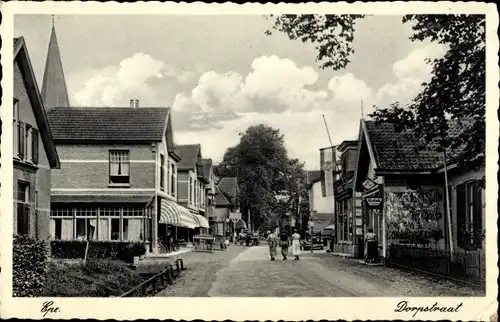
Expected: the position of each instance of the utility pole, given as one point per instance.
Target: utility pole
(447, 194)
(362, 112)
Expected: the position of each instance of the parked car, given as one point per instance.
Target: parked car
(316, 244)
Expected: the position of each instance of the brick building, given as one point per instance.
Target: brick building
(34, 152)
(192, 184)
(118, 174)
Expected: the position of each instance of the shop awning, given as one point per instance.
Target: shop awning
(202, 221)
(176, 215)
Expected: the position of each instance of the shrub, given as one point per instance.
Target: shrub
(97, 278)
(29, 269)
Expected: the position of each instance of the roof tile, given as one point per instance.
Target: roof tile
(189, 155)
(107, 123)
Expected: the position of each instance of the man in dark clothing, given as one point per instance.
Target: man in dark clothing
(284, 243)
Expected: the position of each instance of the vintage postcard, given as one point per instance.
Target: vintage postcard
(249, 162)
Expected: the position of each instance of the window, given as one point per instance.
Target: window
(162, 172)
(195, 190)
(119, 167)
(15, 114)
(125, 229)
(21, 140)
(115, 229)
(168, 176)
(58, 228)
(173, 180)
(34, 145)
(190, 190)
(28, 143)
(23, 210)
(469, 214)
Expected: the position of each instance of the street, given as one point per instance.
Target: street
(248, 272)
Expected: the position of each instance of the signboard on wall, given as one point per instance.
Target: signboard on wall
(374, 202)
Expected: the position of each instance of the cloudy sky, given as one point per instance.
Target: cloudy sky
(221, 74)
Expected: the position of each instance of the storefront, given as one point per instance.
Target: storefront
(372, 208)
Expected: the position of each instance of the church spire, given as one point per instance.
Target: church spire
(54, 91)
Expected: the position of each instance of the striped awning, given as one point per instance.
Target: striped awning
(176, 215)
(202, 221)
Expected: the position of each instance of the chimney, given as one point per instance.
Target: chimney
(132, 103)
(136, 103)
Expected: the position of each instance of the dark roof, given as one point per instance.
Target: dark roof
(22, 57)
(403, 151)
(110, 124)
(398, 150)
(101, 198)
(220, 199)
(189, 155)
(228, 186)
(207, 165)
(313, 176)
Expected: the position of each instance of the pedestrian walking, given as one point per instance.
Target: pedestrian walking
(272, 242)
(371, 246)
(296, 244)
(284, 243)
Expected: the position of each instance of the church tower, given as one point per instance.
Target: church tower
(54, 91)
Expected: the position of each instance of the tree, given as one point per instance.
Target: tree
(456, 89)
(261, 163)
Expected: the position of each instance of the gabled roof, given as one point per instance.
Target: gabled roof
(220, 199)
(190, 155)
(402, 151)
(398, 150)
(21, 56)
(207, 166)
(109, 124)
(228, 185)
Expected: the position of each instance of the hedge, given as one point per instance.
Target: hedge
(73, 249)
(29, 270)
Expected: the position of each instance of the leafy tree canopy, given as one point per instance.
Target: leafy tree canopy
(456, 89)
(260, 161)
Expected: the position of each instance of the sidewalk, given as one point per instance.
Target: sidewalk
(168, 255)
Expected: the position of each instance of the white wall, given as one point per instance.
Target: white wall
(319, 203)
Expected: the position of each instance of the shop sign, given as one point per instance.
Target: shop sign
(374, 202)
(368, 184)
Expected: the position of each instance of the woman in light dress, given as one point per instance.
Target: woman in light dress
(296, 244)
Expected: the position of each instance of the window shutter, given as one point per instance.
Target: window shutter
(461, 214)
(478, 212)
(34, 146)
(21, 138)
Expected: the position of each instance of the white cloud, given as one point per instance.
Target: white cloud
(410, 72)
(132, 78)
(297, 111)
(276, 92)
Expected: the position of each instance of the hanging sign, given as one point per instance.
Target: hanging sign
(374, 202)
(235, 216)
(369, 184)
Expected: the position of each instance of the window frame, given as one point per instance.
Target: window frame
(162, 172)
(126, 178)
(173, 182)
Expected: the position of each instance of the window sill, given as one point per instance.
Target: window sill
(25, 163)
(119, 185)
